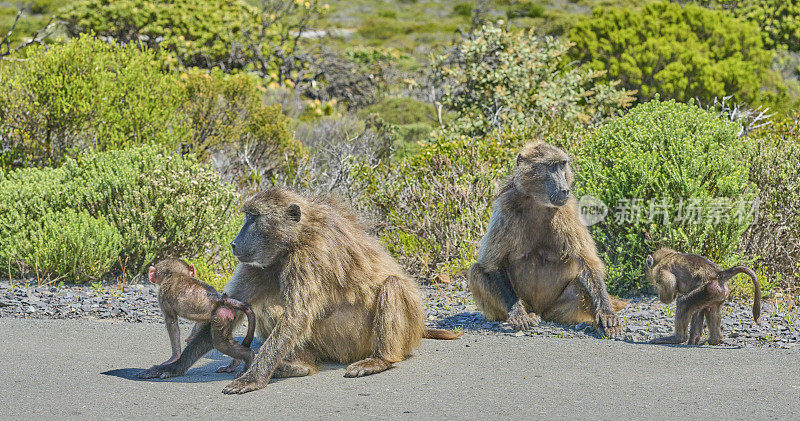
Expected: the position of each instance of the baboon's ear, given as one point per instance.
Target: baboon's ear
(293, 212)
(151, 274)
(191, 270)
(649, 261)
(519, 158)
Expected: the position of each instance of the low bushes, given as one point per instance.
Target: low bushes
(120, 209)
(84, 94)
(679, 52)
(666, 171)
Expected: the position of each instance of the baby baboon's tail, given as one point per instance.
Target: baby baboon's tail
(727, 274)
(431, 333)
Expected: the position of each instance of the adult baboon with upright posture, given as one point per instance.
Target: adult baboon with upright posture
(537, 260)
(322, 289)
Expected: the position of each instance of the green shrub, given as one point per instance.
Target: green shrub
(162, 205)
(463, 9)
(778, 19)
(195, 32)
(679, 159)
(499, 78)
(413, 120)
(680, 52)
(225, 115)
(435, 203)
(74, 246)
(89, 94)
(84, 94)
(525, 9)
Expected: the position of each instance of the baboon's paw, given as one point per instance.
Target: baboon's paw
(293, 369)
(610, 324)
(248, 382)
(523, 321)
(366, 367)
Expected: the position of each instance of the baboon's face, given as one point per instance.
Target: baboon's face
(665, 286)
(266, 235)
(544, 173)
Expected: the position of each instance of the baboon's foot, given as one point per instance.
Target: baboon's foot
(366, 367)
(230, 368)
(609, 323)
(671, 339)
(247, 382)
(161, 371)
(522, 320)
(294, 369)
(714, 341)
(694, 340)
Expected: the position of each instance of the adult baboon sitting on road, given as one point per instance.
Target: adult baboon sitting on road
(321, 289)
(537, 260)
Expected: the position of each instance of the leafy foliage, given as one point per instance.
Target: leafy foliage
(84, 94)
(498, 78)
(159, 205)
(71, 245)
(680, 160)
(194, 32)
(436, 203)
(779, 21)
(679, 52)
(226, 117)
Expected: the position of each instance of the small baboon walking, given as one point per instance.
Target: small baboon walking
(182, 295)
(322, 288)
(701, 288)
(537, 260)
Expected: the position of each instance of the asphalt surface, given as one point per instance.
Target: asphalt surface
(86, 369)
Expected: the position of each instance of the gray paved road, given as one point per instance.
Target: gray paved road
(57, 369)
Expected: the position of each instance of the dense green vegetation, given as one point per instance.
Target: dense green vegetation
(120, 209)
(645, 165)
(677, 52)
(129, 128)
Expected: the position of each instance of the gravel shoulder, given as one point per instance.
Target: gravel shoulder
(85, 369)
(447, 305)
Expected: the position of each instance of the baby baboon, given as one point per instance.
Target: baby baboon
(182, 295)
(322, 288)
(700, 286)
(537, 259)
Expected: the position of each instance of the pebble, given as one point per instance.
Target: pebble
(448, 306)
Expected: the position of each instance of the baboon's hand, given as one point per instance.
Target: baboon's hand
(523, 321)
(160, 371)
(247, 382)
(610, 323)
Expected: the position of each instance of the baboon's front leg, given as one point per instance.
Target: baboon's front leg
(592, 280)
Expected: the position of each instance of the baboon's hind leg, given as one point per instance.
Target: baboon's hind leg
(398, 327)
(571, 307)
(492, 292)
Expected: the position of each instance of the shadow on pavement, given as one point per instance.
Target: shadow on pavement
(205, 372)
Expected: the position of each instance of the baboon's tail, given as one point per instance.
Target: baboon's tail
(251, 318)
(431, 333)
(727, 274)
(618, 304)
